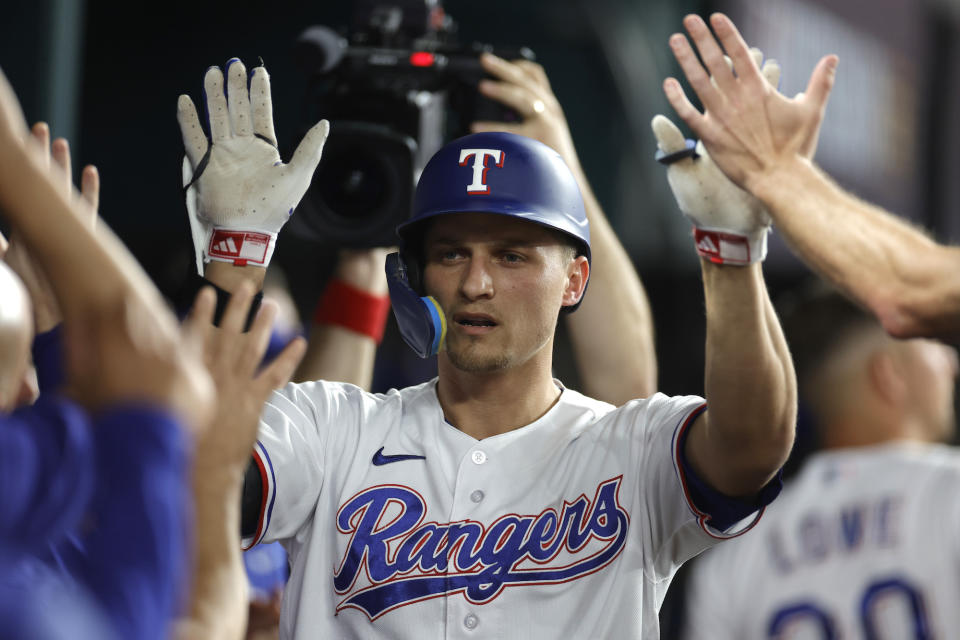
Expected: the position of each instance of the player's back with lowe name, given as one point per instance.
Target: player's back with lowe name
(862, 544)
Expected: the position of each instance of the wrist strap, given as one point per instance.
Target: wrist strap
(724, 247)
(346, 306)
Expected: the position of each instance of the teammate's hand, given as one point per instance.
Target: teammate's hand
(127, 353)
(46, 310)
(233, 359)
(523, 86)
(730, 225)
(749, 128)
(241, 192)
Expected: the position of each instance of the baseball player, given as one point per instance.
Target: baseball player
(863, 542)
(491, 501)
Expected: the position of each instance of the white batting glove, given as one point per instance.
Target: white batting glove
(238, 191)
(730, 226)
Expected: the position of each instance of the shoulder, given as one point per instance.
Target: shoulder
(321, 399)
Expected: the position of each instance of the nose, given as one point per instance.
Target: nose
(477, 281)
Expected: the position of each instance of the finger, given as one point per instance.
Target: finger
(194, 139)
(11, 115)
(503, 70)
(90, 187)
(217, 115)
(199, 322)
(729, 62)
(678, 100)
(307, 156)
(258, 338)
(517, 97)
(279, 371)
(60, 149)
(695, 73)
(756, 55)
(736, 48)
(238, 100)
(669, 137)
(41, 133)
(262, 104)
(535, 71)
(710, 52)
(771, 73)
(821, 81)
(482, 126)
(235, 315)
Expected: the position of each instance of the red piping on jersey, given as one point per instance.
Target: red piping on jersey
(263, 499)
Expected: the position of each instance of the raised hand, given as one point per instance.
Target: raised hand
(46, 310)
(523, 86)
(240, 193)
(234, 360)
(730, 225)
(749, 128)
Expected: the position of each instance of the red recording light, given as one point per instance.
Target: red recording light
(421, 59)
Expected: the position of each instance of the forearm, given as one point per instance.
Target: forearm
(349, 321)
(749, 382)
(911, 283)
(228, 277)
(612, 331)
(338, 354)
(219, 599)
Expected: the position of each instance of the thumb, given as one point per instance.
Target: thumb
(669, 138)
(821, 81)
(307, 156)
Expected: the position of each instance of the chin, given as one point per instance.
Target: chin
(472, 362)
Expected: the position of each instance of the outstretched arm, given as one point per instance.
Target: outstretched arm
(618, 362)
(764, 142)
(746, 434)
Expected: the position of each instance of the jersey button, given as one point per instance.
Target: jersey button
(471, 621)
(478, 457)
(476, 496)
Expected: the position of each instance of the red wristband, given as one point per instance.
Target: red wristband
(346, 306)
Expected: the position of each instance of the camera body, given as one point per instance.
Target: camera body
(394, 91)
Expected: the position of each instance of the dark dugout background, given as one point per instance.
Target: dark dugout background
(106, 74)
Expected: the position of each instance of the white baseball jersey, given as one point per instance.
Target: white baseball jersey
(399, 525)
(862, 544)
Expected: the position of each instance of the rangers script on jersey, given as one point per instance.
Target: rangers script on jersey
(398, 525)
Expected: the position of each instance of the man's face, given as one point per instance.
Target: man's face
(501, 282)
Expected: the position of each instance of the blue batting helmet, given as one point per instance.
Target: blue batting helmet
(505, 174)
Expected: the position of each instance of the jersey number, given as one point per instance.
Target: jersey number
(879, 598)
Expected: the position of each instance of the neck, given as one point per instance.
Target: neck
(488, 404)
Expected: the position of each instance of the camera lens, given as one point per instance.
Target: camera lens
(355, 184)
(362, 189)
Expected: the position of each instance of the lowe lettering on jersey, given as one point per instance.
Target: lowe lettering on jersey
(395, 558)
(480, 168)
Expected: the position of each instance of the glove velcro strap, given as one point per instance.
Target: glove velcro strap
(241, 247)
(724, 247)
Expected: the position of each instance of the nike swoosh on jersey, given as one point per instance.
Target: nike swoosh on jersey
(379, 459)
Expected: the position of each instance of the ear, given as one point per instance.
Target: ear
(886, 378)
(578, 272)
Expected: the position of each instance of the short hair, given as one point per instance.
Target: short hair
(817, 321)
